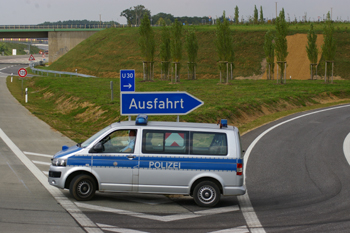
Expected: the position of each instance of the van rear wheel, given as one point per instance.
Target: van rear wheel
(206, 194)
(82, 187)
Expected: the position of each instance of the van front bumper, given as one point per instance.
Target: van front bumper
(56, 176)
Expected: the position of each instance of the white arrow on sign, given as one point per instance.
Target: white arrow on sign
(129, 86)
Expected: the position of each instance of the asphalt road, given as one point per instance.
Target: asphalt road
(296, 178)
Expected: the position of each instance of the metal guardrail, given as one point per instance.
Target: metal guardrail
(37, 71)
(62, 26)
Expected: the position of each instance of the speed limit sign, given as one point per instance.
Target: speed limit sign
(22, 72)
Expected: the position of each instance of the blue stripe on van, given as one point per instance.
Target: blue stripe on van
(156, 162)
(79, 160)
(183, 163)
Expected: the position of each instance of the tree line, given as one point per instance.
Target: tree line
(135, 14)
(275, 45)
(171, 44)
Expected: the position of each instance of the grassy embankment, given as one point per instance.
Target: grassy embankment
(108, 51)
(78, 107)
(19, 48)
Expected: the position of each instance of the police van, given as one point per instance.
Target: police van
(197, 159)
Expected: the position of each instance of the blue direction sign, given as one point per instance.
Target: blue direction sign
(158, 103)
(127, 80)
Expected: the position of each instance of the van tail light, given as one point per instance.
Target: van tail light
(239, 169)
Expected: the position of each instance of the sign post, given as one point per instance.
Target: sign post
(158, 103)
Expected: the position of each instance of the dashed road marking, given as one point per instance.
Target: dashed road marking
(346, 148)
(41, 163)
(241, 229)
(37, 154)
(118, 229)
(168, 218)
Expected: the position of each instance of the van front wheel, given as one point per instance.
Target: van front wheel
(206, 194)
(82, 187)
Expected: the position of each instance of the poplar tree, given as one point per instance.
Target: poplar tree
(281, 48)
(328, 47)
(311, 47)
(256, 15)
(164, 53)
(147, 46)
(269, 49)
(192, 51)
(224, 44)
(176, 47)
(261, 15)
(236, 15)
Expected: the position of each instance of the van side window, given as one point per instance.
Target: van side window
(205, 143)
(164, 142)
(120, 141)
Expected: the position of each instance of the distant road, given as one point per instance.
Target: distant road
(21, 59)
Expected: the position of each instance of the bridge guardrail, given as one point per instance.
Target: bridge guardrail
(33, 64)
(62, 26)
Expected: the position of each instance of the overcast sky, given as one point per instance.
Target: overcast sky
(25, 12)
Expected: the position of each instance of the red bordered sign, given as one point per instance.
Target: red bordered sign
(22, 72)
(31, 58)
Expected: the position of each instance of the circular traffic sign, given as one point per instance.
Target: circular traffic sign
(22, 72)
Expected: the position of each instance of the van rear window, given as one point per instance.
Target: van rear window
(204, 143)
(165, 142)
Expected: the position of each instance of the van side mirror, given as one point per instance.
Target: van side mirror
(98, 148)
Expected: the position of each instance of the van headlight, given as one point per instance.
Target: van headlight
(59, 162)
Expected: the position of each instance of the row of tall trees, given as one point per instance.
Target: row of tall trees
(170, 49)
(276, 45)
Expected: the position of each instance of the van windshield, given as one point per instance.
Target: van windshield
(94, 137)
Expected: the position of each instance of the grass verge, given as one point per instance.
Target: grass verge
(79, 107)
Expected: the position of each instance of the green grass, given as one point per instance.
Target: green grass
(106, 52)
(20, 48)
(78, 107)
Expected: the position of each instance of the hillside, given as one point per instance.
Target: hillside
(105, 53)
(108, 51)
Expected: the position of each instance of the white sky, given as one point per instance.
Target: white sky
(25, 12)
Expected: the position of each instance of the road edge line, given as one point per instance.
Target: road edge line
(69, 206)
(249, 214)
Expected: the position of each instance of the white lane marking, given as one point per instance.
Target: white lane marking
(69, 206)
(167, 218)
(241, 229)
(117, 229)
(247, 209)
(46, 173)
(41, 163)
(346, 148)
(37, 154)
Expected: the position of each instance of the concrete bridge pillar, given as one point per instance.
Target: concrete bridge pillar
(60, 42)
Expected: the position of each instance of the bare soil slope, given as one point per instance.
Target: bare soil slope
(298, 64)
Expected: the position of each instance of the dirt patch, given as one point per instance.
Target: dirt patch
(91, 114)
(298, 64)
(66, 105)
(48, 95)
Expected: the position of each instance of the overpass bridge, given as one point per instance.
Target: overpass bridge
(61, 38)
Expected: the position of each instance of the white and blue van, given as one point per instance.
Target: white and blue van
(197, 159)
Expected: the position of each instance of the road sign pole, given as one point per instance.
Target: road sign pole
(111, 90)
(26, 97)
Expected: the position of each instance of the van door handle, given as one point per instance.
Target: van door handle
(131, 157)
